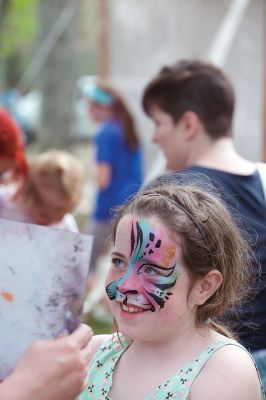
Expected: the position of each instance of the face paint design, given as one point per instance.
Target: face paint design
(151, 272)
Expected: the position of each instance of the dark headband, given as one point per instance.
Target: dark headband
(191, 217)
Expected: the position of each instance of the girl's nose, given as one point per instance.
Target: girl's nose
(129, 285)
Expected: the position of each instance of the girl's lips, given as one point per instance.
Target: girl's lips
(128, 305)
(132, 308)
(130, 311)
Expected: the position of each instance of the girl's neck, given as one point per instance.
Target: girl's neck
(189, 341)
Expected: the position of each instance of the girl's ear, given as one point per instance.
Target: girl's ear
(205, 287)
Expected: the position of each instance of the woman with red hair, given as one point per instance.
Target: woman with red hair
(13, 163)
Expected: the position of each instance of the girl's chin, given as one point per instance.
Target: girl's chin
(131, 331)
(137, 332)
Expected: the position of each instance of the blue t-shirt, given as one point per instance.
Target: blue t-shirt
(245, 198)
(126, 167)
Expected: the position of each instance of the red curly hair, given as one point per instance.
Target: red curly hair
(11, 144)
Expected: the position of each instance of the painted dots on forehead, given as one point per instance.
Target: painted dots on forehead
(148, 239)
(158, 243)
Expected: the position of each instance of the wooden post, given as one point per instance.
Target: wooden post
(103, 38)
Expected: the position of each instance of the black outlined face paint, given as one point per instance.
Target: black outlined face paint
(152, 270)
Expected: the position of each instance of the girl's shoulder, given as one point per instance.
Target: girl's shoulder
(112, 341)
(229, 373)
(97, 342)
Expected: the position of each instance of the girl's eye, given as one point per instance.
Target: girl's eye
(150, 271)
(118, 263)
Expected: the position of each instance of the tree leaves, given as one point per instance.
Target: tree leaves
(18, 24)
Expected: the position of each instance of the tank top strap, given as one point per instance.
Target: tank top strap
(179, 385)
(101, 367)
(194, 368)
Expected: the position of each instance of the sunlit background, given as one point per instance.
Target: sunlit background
(49, 48)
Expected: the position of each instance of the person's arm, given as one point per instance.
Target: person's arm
(107, 144)
(229, 374)
(102, 174)
(51, 369)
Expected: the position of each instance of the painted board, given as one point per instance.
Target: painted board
(43, 273)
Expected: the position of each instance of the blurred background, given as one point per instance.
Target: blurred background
(50, 50)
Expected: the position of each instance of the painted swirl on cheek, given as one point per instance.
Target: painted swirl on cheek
(159, 291)
(111, 289)
(149, 281)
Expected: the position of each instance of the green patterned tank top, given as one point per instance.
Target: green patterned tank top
(100, 371)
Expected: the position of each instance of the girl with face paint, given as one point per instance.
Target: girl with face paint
(178, 263)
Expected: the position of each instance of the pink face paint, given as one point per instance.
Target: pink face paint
(151, 272)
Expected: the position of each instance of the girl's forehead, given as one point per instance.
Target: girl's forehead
(147, 223)
(151, 230)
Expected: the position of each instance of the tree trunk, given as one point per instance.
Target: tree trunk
(57, 75)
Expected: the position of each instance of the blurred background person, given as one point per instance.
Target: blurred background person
(53, 189)
(118, 161)
(192, 104)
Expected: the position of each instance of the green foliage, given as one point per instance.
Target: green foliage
(19, 25)
(98, 327)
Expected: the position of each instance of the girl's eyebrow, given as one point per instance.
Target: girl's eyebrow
(117, 254)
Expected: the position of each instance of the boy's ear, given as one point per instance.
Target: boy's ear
(205, 287)
(191, 124)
